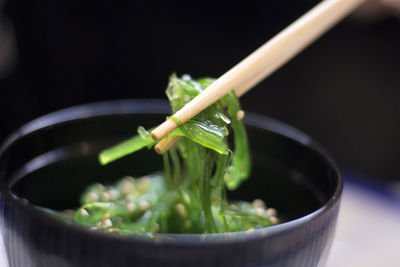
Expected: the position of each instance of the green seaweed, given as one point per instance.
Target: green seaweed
(190, 196)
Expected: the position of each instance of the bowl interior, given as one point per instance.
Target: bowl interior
(51, 166)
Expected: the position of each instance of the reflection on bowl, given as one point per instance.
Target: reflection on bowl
(49, 161)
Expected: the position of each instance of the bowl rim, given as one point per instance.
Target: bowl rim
(157, 106)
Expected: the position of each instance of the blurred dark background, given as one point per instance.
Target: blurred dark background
(343, 90)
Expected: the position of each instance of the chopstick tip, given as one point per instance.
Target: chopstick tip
(163, 130)
(159, 150)
(166, 144)
(154, 135)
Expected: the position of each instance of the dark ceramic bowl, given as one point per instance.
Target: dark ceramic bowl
(49, 161)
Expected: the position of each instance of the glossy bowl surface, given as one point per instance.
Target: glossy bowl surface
(49, 161)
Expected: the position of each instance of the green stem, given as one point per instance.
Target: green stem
(167, 171)
(176, 167)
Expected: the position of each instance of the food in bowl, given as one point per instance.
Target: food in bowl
(190, 196)
(49, 161)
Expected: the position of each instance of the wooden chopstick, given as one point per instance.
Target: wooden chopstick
(167, 142)
(265, 60)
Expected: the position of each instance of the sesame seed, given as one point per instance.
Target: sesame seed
(258, 203)
(144, 205)
(93, 197)
(271, 212)
(105, 223)
(260, 211)
(181, 210)
(130, 197)
(114, 194)
(106, 216)
(250, 230)
(131, 206)
(226, 131)
(143, 183)
(84, 212)
(105, 196)
(273, 220)
(127, 185)
(99, 186)
(128, 179)
(240, 115)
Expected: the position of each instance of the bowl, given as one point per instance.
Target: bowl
(49, 161)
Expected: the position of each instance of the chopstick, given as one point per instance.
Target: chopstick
(265, 60)
(166, 143)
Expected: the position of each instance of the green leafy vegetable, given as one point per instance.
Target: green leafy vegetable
(190, 197)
